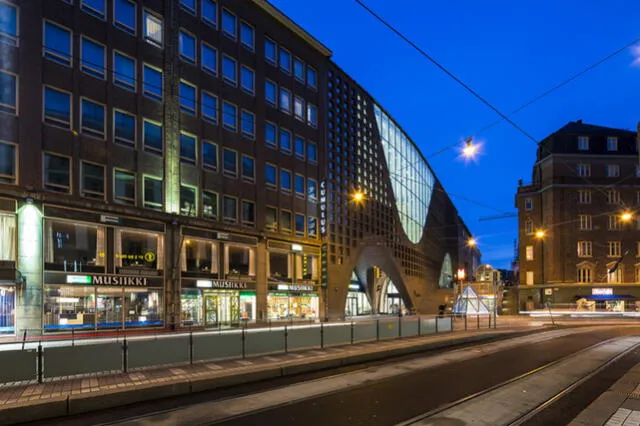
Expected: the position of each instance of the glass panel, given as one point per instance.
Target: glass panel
(125, 15)
(200, 256)
(125, 187)
(124, 71)
(153, 196)
(57, 41)
(8, 237)
(124, 128)
(92, 58)
(56, 173)
(142, 308)
(8, 92)
(92, 180)
(188, 197)
(7, 163)
(138, 250)
(67, 307)
(109, 307)
(210, 205)
(73, 247)
(239, 260)
(191, 307)
(7, 309)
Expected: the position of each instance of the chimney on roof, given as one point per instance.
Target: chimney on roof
(579, 121)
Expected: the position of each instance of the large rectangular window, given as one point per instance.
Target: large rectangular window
(124, 71)
(299, 147)
(230, 163)
(209, 11)
(248, 124)
(153, 28)
(247, 80)
(8, 24)
(141, 250)
(285, 181)
(271, 219)
(92, 117)
(188, 144)
(57, 173)
(229, 24)
(152, 137)
(271, 176)
(124, 188)
(187, 44)
(57, 43)
(209, 58)
(270, 51)
(124, 128)
(230, 209)
(57, 107)
(209, 107)
(271, 93)
(93, 7)
(285, 141)
(124, 15)
(188, 197)
(299, 185)
(229, 70)
(92, 181)
(188, 97)
(74, 247)
(229, 116)
(210, 204)
(270, 135)
(92, 58)
(200, 257)
(247, 35)
(152, 82)
(300, 225)
(210, 156)
(248, 169)
(248, 213)
(285, 60)
(312, 115)
(285, 100)
(153, 193)
(8, 93)
(8, 160)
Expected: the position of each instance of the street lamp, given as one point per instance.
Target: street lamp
(358, 196)
(469, 150)
(471, 242)
(626, 216)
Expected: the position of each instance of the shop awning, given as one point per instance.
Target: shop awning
(608, 297)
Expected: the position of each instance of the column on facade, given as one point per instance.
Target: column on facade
(261, 281)
(30, 261)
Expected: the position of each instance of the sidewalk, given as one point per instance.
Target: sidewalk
(74, 395)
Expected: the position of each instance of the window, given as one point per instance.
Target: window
(583, 170)
(312, 77)
(299, 147)
(92, 60)
(92, 118)
(152, 82)
(152, 28)
(616, 276)
(229, 116)
(247, 80)
(188, 98)
(153, 193)
(124, 128)
(57, 173)
(8, 24)
(68, 244)
(613, 196)
(271, 219)
(189, 6)
(285, 60)
(209, 58)
(529, 277)
(92, 181)
(188, 197)
(312, 152)
(57, 44)
(57, 107)
(8, 92)
(312, 189)
(584, 274)
(299, 185)
(270, 49)
(124, 188)
(229, 24)
(285, 100)
(7, 163)
(298, 69)
(229, 70)
(209, 11)
(248, 124)
(270, 132)
(612, 143)
(210, 204)
(300, 225)
(188, 148)
(152, 137)
(614, 249)
(270, 93)
(583, 143)
(124, 71)
(248, 213)
(312, 115)
(248, 169)
(529, 252)
(209, 107)
(285, 181)
(613, 170)
(285, 221)
(584, 196)
(230, 209)
(270, 175)
(298, 108)
(124, 15)
(312, 227)
(230, 163)
(585, 222)
(285, 141)
(210, 156)
(135, 245)
(528, 227)
(187, 43)
(528, 204)
(93, 7)
(247, 35)
(614, 223)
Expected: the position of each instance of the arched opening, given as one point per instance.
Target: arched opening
(358, 300)
(390, 301)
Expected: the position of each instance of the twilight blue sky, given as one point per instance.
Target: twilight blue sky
(508, 51)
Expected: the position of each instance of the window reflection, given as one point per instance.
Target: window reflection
(200, 256)
(138, 250)
(74, 247)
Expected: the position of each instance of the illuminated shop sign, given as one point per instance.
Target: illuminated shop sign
(294, 287)
(461, 274)
(223, 284)
(601, 291)
(296, 247)
(146, 257)
(109, 219)
(323, 207)
(119, 280)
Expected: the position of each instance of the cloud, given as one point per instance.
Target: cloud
(635, 51)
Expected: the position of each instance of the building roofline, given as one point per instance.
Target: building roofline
(290, 24)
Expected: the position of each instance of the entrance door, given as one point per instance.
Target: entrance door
(211, 309)
(109, 307)
(352, 306)
(221, 308)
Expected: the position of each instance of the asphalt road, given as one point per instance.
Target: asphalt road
(396, 399)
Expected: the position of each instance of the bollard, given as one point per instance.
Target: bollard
(321, 335)
(244, 338)
(465, 322)
(286, 339)
(377, 329)
(40, 362)
(352, 329)
(478, 320)
(436, 324)
(419, 325)
(190, 346)
(125, 350)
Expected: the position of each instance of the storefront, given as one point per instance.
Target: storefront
(607, 300)
(7, 308)
(8, 273)
(292, 301)
(217, 302)
(357, 299)
(391, 300)
(101, 301)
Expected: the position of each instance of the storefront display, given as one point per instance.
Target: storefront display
(292, 301)
(7, 309)
(216, 303)
(138, 251)
(391, 301)
(74, 247)
(200, 256)
(240, 260)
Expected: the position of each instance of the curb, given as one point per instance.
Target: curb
(81, 403)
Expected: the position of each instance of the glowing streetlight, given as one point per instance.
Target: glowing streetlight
(469, 150)
(626, 216)
(358, 196)
(540, 234)
(471, 242)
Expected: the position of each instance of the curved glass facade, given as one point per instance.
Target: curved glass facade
(411, 179)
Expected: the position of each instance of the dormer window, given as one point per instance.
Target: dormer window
(583, 143)
(612, 143)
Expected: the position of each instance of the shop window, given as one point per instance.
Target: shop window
(74, 247)
(300, 225)
(271, 218)
(153, 193)
(57, 43)
(209, 58)
(124, 190)
(152, 28)
(279, 265)
(230, 209)
(57, 173)
(68, 307)
(136, 250)
(286, 306)
(92, 117)
(285, 221)
(188, 98)
(248, 213)
(124, 71)
(7, 163)
(92, 182)
(188, 197)
(92, 58)
(209, 11)
(188, 148)
(239, 260)
(199, 256)
(9, 24)
(124, 15)
(8, 237)
(209, 106)
(248, 169)
(210, 204)
(142, 308)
